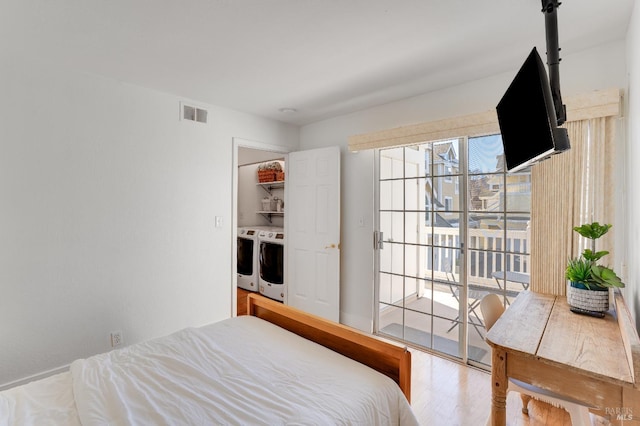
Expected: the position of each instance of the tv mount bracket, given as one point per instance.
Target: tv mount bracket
(549, 8)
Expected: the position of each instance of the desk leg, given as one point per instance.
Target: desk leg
(499, 383)
(631, 406)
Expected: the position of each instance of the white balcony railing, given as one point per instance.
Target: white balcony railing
(488, 252)
(437, 256)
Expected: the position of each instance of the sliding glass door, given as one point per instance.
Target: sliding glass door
(452, 227)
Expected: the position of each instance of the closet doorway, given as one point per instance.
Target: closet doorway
(310, 220)
(252, 201)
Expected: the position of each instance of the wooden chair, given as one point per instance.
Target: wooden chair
(492, 307)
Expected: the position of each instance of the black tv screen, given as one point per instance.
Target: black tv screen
(527, 117)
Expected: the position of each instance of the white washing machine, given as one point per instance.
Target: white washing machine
(248, 258)
(271, 264)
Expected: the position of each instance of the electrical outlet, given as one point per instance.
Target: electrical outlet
(116, 339)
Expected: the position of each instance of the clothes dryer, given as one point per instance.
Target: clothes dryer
(248, 258)
(271, 279)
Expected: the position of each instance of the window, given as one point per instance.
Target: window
(448, 203)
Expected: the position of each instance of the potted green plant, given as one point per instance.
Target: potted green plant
(589, 281)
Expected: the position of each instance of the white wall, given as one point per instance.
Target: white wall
(600, 68)
(107, 217)
(632, 155)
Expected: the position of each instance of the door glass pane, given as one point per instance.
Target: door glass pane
(519, 191)
(414, 157)
(410, 326)
(423, 302)
(445, 232)
(415, 193)
(415, 228)
(392, 226)
(445, 158)
(415, 260)
(391, 195)
(392, 164)
(417, 328)
(446, 193)
(391, 258)
(486, 193)
(485, 155)
(389, 316)
(391, 289)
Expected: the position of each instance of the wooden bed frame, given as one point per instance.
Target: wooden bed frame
(391, 360)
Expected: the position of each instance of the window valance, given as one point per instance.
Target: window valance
(600, 103)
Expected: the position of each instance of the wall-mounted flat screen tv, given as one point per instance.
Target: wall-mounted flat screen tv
(527, 117)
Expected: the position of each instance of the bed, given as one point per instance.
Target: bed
(277, 365)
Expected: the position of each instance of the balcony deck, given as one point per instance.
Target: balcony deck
(438, 311)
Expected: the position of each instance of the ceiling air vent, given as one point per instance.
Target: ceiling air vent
(192, 113)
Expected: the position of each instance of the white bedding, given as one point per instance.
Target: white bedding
(240, 371)
(46, 402)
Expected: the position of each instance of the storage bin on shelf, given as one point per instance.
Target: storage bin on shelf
(268, 172)
(266, 176)
(266, 204)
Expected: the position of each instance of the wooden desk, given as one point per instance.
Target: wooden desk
(538, 340)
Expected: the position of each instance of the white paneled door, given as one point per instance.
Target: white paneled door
(313, 234)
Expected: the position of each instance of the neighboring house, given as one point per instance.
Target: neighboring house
(489, 196)
(446, 189)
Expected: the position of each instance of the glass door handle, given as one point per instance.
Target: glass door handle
(378, 243)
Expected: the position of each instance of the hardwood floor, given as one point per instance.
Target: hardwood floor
(448, 393)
